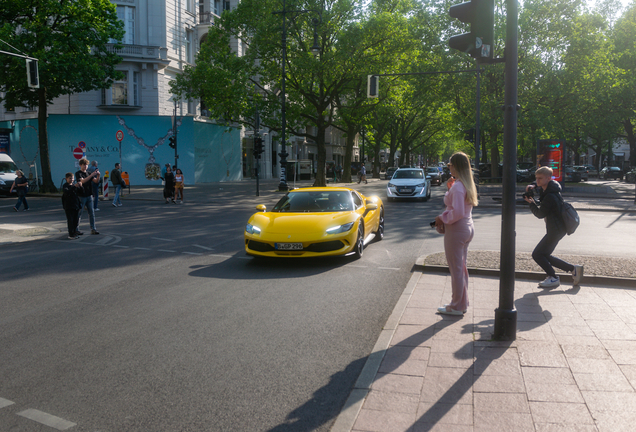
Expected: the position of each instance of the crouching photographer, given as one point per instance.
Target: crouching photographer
(548, 207)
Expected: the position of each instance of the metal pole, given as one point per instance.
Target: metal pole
(283, 153)
(477, 116)
(174, 131)
(506, 314)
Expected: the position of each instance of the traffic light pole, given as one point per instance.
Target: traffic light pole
(477, 115)
(506, 314)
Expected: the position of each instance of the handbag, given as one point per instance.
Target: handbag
(570, 217)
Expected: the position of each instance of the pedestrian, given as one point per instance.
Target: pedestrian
(363, 175)
(71, 203)
(336, 173)
(20, 184)
(92, 168)
(86, 194)
(168, 188)
(549, 208)
(164, 170)
(179, 181)
(456, 223)
(118, 182)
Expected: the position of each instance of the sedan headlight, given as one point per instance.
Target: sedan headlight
(421, 185)
(251, 229)
(391, 185)
(340, 228)
(2, 182)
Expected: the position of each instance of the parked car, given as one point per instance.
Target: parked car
(611, 173)
(7, 173)
(591, 170)
(445, 173)
(410, 183)
(434, 174)
(570, 175)
(585, 174)
(630, 176)
(389, 173)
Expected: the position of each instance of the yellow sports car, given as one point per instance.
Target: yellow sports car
(317, 221)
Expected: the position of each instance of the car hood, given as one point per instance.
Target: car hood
(406, 182)
(300, 223)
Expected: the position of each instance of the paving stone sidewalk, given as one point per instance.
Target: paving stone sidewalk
(571, 368)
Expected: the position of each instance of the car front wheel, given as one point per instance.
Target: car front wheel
(358, 250)
(379, 234)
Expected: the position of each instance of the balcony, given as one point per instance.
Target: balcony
(141, 53)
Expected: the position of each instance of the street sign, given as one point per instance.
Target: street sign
(119, 135)
(78, 153)
(82, 145)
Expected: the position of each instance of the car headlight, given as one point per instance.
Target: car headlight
(251, 229)
(2, 182)
(340, 228)
(421, 185)
(391, 185)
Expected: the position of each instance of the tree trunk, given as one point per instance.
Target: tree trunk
(351, 139)
(43, 143)
(321, 178)
(631, 139)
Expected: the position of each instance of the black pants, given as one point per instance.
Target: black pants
(72, 220)
(542, 254)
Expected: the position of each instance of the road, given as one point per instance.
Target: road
(162, 323)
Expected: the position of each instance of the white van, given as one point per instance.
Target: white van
(7, 173)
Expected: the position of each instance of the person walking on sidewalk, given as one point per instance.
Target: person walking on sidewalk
(179, 181)
(86, 193)
(456, 223)
(115, 177)
(168, 188)
(20, 184)
(363, 175)
(549, 208)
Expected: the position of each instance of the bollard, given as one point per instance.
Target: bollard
(105, 191)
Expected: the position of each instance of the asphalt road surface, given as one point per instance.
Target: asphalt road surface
(161, 323)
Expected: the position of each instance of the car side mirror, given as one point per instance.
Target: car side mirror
(428, 177)
(372, 206)
(261, 207)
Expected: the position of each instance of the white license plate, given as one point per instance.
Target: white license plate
(288, 246)
(405, 191)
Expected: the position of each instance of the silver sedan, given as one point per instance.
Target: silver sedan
(409, 183)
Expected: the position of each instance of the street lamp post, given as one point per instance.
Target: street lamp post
(282, 186)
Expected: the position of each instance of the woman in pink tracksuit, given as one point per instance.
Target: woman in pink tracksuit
(456, 223)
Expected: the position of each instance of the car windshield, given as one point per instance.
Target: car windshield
(432, 170)
(308, 202)
(408, 174)
(8, 167)
(614, 169)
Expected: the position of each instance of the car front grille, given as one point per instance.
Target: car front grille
(325, 246)
(259, 246)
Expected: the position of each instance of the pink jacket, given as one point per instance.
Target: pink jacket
(456, 206)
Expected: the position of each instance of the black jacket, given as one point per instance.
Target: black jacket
(549, 207)
(70, 199)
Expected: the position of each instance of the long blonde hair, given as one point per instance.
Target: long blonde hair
(461, 162)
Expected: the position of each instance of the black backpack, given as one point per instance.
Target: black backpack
(569, 216)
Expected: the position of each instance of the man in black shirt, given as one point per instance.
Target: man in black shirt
(86, 193)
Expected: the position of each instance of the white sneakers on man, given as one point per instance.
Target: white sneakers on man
(550, 282)
(577, 274)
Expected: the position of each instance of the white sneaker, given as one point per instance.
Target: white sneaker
(114, 205)
(577, 274)
(96, 209)
(550, 282)
(119, 204)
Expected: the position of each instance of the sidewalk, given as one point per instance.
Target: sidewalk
(571, 368)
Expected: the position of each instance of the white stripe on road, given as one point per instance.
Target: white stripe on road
(46, 419)
(5, 402)
(192, 253)
(221, 256)
(104, 240)
(165, 250)
(388, 268)
(162, 239)
(203, 247)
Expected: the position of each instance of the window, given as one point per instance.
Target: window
(226, 5)
(190, 6)
(123, 91)
(217, 7)
(127, 15)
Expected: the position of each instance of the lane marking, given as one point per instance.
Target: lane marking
(388, 268)
(192, 253)
(5, 402)
(166, 250)
(104, 240)
(162, 239)
(203, 247)
(140, 248)
(221, 256)
(46, 419)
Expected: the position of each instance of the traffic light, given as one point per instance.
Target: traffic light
(470, 135)
(372, 86)
(33, 76)
(480, 14)
(173, 142)
(258, 147)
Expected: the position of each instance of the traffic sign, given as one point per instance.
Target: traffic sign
(82, 144)
(119, 135)
(78, 153)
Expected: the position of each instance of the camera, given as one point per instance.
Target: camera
(529, 193)
(433, 224)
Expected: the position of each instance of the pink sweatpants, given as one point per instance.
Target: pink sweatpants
(457, 236)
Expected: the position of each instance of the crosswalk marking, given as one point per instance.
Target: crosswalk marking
(5, 402)
(46, 419)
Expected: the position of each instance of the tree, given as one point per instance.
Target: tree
(70, 39)
(234, 87)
